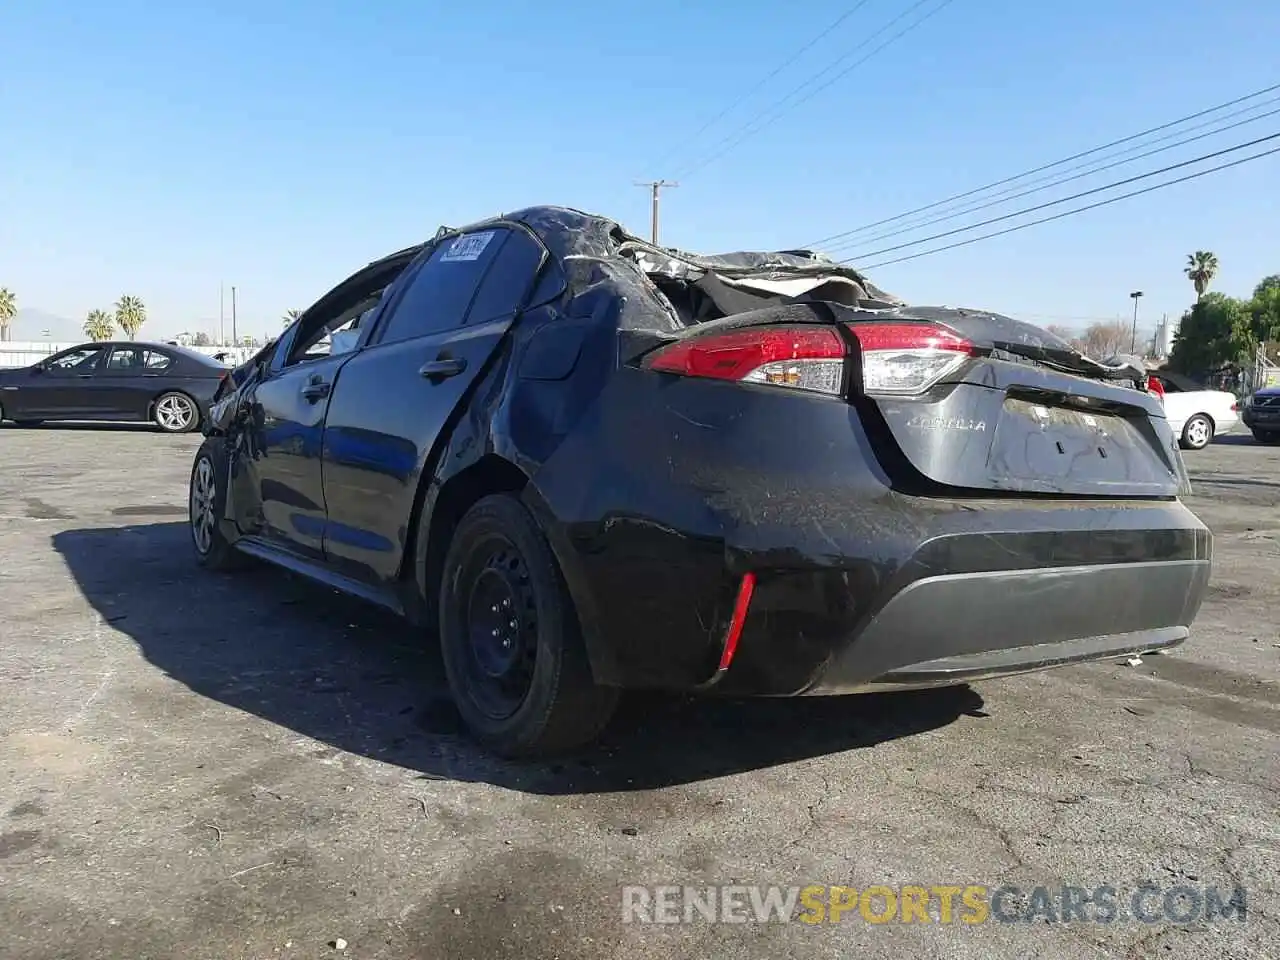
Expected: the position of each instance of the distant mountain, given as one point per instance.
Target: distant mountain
(31, 324)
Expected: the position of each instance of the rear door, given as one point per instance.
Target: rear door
(128, 380)
(395, 397)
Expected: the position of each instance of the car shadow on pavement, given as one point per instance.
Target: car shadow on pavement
(347, 674)
(1237, 440)
(113, 426)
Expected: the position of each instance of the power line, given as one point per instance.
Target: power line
(783, 105)
(1004, 197)
(1074, 196)
(1068, 213)
(1050, 166)
(777, 70)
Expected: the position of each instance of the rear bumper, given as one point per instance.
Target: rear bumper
(1009, 595)
(659, 502)
(955, 628)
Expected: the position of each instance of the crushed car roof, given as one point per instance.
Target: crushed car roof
(574, 234)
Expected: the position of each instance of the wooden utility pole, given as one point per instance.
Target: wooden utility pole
(655, 187)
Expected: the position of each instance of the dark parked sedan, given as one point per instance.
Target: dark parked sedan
(587, 463)
(1262, 415)
(170, 386)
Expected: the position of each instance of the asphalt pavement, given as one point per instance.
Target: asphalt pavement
(250, 766)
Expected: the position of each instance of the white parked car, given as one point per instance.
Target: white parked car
(1196, 415)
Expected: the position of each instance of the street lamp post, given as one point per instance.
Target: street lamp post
(1133, 339)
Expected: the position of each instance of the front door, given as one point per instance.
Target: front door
(62, 387)
(396, 394)
(287, 416)
(278, 490)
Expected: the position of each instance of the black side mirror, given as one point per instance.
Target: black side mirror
(38, 367)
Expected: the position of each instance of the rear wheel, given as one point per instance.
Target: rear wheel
(1197, 432)
(206, 504)
(1266, 436)
(512, 650)
(175, 413)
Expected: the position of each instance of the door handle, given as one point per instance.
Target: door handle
(85, 376)
(442, 367)
(315, 391)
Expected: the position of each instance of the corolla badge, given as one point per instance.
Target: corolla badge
(920, 422)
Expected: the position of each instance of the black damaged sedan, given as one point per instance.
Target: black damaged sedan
(586, 464)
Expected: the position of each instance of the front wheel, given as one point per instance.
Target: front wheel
(206, 503)
(512, 649)
(176, 413)
(1197, 432)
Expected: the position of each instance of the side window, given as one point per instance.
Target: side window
(436, 298)
(551, 284)
(505, 286)
(125, 360)
(1169, 385)
(82, 360)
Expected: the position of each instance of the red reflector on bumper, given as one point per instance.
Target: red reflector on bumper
(740, 605)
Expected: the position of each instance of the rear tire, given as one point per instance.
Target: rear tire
(512, 649)
(1197, 432)
(175, 412)
(1266, 436)
(206, 504)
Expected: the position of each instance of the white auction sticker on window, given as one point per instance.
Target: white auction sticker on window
(469, 247)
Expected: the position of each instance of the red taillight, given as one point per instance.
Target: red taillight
(804, 358)
(897, 358)
(1155, 386)
(907, 358)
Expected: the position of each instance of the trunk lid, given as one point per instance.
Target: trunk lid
(1027, 415)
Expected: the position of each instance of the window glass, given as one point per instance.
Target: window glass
(551, 284)
(137, 360)
(344, 330)
(503, 289)
(436, 298)
(79, 361)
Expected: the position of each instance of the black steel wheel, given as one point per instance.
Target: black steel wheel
(513, 653)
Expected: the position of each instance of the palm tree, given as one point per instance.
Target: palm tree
(8, 310)
(290, 316)
(1202, 267)
(131, 314)
(99, 325)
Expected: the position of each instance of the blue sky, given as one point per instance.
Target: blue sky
(278, 145)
